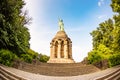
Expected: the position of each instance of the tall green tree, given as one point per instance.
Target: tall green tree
(116, 33)
(107, 35)
(116, 6)
(103, 34)
(14, 35)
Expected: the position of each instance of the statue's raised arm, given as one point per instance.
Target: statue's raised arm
(61, 25)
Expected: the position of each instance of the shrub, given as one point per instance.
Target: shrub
(94, 56)
(32, 53)
(114, 60)
(27, 58)
(43, 58)
(7, 57)
(99, 54)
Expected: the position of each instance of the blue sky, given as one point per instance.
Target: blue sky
(80, 17)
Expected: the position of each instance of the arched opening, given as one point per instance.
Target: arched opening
(56, 48)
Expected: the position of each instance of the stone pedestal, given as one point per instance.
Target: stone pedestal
(61, 49)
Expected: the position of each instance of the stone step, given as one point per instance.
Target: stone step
(69, 65)
(8, 76)
(117, 78)
(2, 77)
(110, 76)
(54, 69)
(60, 64)
(93, 76)
(114, 76)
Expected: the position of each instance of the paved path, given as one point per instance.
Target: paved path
(32, 76)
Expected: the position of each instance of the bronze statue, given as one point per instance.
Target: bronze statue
(61, 25)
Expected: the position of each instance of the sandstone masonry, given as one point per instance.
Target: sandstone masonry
(61, 49)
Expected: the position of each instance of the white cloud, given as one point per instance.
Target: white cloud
(80, 52)
(101, 16)
(100, 2)
(41, 36)
(40, 32)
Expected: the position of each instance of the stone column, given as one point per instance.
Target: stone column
(65, 50)
(59, 50)
(51, 51)
(70, 50)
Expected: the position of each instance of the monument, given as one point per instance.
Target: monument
(61, 47)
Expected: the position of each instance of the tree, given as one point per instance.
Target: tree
(99, 54)
(14, 35)
(108, 35)
(116, 33)
(116, 6)
(103, 34)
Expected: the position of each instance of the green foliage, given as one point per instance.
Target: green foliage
(116, 34)
(99, 54)
(108, 34)
(14, 35)
(94, 57)
(103, 34)
(43, 58)
(32, 53)
(114, 60)
(116, 5)
(7, 57)
(27, 58)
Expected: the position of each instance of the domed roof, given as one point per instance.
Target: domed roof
(61, 34)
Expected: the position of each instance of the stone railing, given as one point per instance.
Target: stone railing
(7, 75)
(111, 76)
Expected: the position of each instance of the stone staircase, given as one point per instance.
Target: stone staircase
(111, 76)
(7, 75)
(59, 69)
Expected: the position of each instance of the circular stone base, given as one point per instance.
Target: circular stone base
(61, 60)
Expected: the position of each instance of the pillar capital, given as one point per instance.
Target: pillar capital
(65, 42)
(59, 42)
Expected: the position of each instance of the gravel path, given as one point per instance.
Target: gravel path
(32, 76)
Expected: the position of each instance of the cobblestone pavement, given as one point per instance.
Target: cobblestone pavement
(32, 76)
